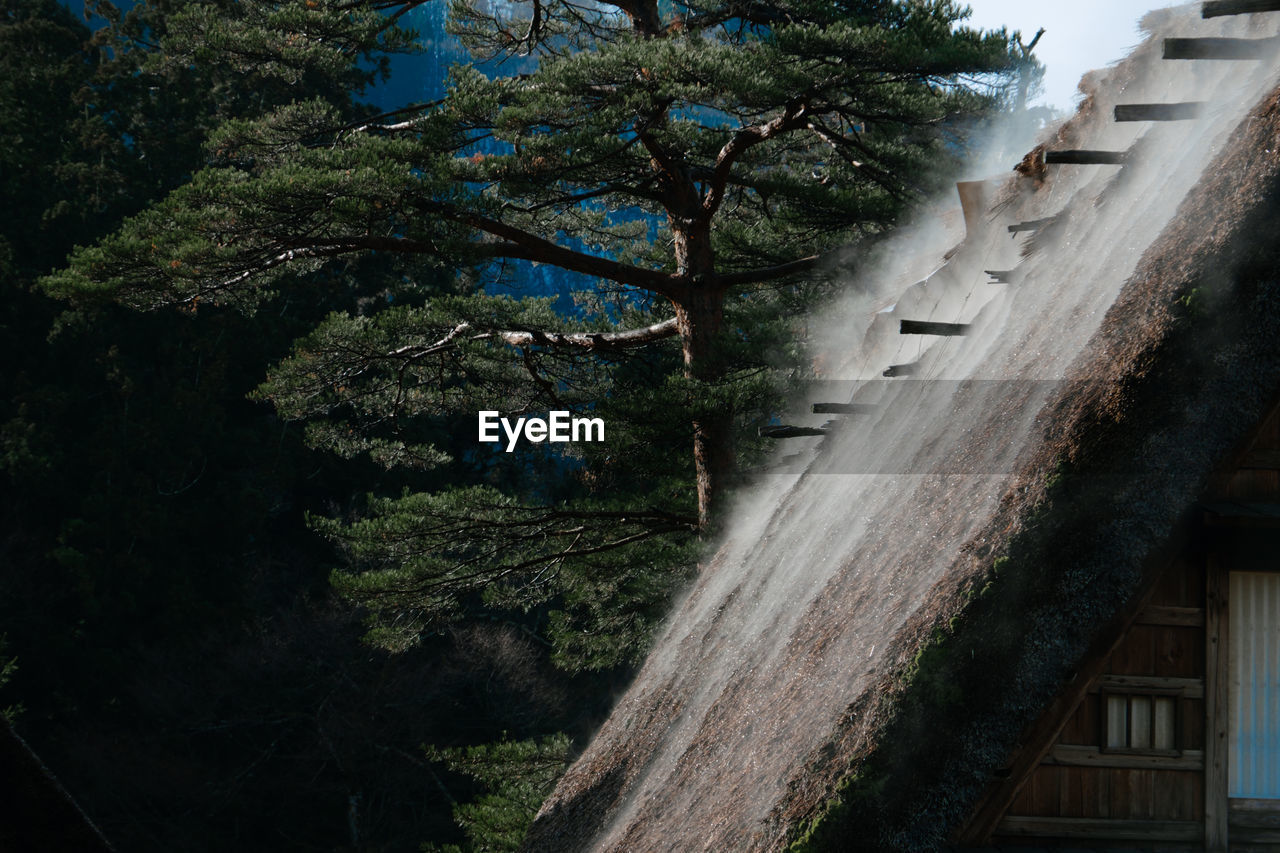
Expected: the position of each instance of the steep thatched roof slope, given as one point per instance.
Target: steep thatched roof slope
(1184, 368)
(984, 633)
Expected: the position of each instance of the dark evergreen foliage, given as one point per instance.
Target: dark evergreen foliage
(704, 159)
(179, 662)
(690, 167)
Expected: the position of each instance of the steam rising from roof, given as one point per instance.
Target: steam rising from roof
(805, 606)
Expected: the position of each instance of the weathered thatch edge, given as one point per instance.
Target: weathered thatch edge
(36, 812)
(1181, 371)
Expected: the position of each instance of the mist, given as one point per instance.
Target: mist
(826, 560)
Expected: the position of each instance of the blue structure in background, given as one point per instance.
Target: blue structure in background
(420, 78)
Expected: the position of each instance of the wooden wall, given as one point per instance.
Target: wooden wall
(1080, 780)
(1082, 794)
(1257, 478)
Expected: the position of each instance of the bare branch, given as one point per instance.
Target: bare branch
(448, 342)
(534, 34)
(594, 340)
(578, 340)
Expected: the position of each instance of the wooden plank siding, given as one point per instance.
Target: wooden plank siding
(1160, 650)
(1115, 795)
(1074, 791)
(1235, 543)
(1257, 478)
(1163, 614)
(1110, 830)
(1111, 793)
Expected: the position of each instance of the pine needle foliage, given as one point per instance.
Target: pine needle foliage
(691, 167)
(517, 776)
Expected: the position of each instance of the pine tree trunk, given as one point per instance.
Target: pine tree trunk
(700, 316)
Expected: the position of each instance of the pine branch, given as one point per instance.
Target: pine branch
(645, 18)
(522, 245)
(662, 158)
(793, 118)
(773, 273)
(494, 573)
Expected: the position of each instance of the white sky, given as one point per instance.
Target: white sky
(1079, 35)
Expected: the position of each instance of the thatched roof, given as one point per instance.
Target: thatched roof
(1174, 378)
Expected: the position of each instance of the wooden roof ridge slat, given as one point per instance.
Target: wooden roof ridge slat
(1231, 49)
(1085, 157)
(1219, 8)
(789, 431)
(843, 408)
(1032, 224)
(1182, 111)
(930, 327)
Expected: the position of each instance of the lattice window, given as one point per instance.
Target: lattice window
(1140, 722)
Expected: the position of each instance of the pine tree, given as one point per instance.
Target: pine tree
(517, 776)
(154, 549)
(691, 166)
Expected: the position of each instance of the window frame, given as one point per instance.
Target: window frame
(1174, 694)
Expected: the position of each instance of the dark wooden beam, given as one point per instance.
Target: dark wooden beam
(1217, 690)
(787, 431)
(1244, 836)
(1218, 48)
(1187, 688)
(1070, 755)
(902, 369)
(843, 408)
(1159, 112)
(1099, 828)
(1218, 8)
(926, 327)
(1171, 616)
(1082, 157)
(1264, 460)
(1242, 514)
(1253, 813)
(1038, 739)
